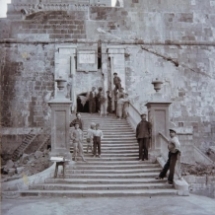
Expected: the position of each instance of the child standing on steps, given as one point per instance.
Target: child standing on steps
(90, 137)
(97, 137)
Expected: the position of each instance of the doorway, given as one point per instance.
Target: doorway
(82, 103)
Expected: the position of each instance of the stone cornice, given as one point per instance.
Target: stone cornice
(28, 9)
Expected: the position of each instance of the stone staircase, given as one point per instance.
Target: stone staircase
(29, 138)
(37, 144)
(117, 173)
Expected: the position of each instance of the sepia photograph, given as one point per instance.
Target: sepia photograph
(107, 107)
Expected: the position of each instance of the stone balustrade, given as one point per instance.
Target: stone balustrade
(133, 116)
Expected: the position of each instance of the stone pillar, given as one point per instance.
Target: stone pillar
(60, 119)
(158, 114)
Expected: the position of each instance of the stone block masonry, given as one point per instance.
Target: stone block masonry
(51, 25)
(184, 61)
(27, 85)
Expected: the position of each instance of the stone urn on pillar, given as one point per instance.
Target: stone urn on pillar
(60, 115)
(158, 114)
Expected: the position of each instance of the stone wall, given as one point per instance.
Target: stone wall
(201, 185)
(27, 83)
(172, 40)
(188, 74)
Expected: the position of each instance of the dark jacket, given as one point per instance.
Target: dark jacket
(116, 80)
(143, 130)
(91, 95)
(80, 122)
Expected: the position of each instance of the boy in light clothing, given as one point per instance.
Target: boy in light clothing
(90, 137)
(77, 139)
(97, 137)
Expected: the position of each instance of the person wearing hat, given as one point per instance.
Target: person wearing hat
(77, 138)
(143, 133)
(90, 137)
(173, 156)
(116, 82)
(97, 137)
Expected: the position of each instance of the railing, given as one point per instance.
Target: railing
(133, 116)
(164, 153)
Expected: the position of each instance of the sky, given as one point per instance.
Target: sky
(3, 6)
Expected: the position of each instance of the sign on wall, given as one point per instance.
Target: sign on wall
(87, 60)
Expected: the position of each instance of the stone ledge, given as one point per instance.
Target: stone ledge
(21, 184)
(180, 184)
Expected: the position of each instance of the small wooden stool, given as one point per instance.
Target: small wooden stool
(60, 163)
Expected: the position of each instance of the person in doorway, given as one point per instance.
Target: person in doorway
(101, 102)
(90, 137)
(77, 139)
(173, 157)
(78, 120)
(97, 137)
(116, 82)
(143, 133)
(92, 100)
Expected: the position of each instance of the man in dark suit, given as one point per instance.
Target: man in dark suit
(92, 101)
(116, 82)
(143, 133)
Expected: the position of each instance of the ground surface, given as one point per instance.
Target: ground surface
(165, 205)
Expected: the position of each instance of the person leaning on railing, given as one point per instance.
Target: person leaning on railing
(173, 156)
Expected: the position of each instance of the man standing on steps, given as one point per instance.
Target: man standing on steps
(143, 133)
(173, 156)
(97, 137)
(78, 120)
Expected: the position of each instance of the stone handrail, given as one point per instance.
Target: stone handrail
(133, 116)
(200, 157)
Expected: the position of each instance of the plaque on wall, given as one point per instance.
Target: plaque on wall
(87, 60)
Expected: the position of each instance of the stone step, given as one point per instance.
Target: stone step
(121, 139)
(115, 148)
(117, 155)
(111, 162)
(115, 145)
(113, 175)
(112, 128)
(100, 186)
(98, 193)
(119, 151)
(117, 136)
(112, 171)
(102, 181)
(110, 167)
(109, 126)
(90, 158)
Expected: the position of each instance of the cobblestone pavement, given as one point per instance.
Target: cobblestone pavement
(165, 205)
